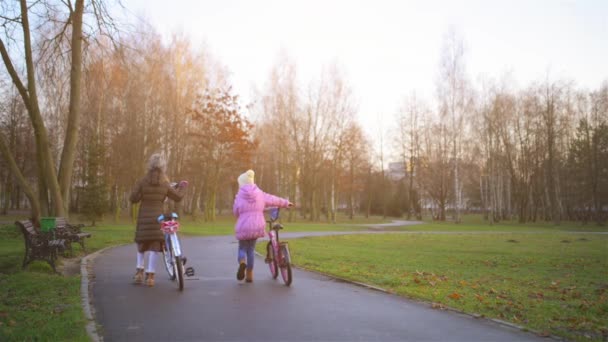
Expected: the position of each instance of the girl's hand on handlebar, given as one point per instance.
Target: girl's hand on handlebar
(290, 205)
(183, 184)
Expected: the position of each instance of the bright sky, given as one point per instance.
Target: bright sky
(389, 48)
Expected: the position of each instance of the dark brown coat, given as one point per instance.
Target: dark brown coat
(152, 191)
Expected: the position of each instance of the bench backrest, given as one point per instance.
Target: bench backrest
(60, 222)
(27, 228)
(30, 233)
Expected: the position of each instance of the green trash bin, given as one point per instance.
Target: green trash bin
(47, 224)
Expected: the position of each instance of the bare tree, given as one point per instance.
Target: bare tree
(408, 141)
(58, 187)
(452, 92)
(277, 131)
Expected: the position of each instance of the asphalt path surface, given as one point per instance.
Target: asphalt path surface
(214, 306)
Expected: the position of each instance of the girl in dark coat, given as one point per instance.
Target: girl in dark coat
(151, 191)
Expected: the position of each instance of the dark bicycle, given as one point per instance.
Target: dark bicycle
(277, 252)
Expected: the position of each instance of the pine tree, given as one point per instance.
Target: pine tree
(95, 192)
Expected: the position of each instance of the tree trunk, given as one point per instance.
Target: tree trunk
(71, 135)
(210, 205)
(195, 205)
(35, 207)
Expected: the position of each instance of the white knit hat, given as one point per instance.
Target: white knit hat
(157, 161)
(246, 178)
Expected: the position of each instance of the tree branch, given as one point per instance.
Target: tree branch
(14, 76)
(14, 20)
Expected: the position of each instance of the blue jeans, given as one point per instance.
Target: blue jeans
(246, 252)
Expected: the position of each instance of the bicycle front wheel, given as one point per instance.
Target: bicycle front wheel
(180, 272)
(285, 265)
(168, 260)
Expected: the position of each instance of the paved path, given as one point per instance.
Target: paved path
(215, 307)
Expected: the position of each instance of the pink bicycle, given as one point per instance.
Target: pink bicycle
(277, 252)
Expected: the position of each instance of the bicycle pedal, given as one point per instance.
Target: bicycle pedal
(184, 259)
(189, 271)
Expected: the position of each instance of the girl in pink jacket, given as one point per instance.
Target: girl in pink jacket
(248, 208)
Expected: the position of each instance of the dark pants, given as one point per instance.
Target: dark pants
(246, 252)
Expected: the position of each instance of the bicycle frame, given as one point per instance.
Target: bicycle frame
(278, 256)
(281, 249)
(172, 254)
(172, 244)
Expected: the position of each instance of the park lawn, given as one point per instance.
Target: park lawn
(474, 223)
(552, 283)
(35, 304)
(40, 306)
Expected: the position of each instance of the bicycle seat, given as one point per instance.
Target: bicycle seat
(277, 226)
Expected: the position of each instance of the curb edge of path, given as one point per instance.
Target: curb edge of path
(443, 307)
(86, 298)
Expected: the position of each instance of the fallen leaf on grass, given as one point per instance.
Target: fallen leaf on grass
(12, 323)
(463, 283)
(585, 305)
(544, 333)
(479, 297)
(455, 296)
(538, 295)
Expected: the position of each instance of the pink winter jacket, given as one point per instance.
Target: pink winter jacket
(248, 207)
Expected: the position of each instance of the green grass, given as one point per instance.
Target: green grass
(549, 282)
(476, 223)
(37, 306)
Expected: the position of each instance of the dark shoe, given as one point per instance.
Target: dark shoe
(240, 274)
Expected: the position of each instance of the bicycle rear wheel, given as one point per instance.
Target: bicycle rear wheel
(272, 263)
(285, 265)
(168, 260)
(180, 272)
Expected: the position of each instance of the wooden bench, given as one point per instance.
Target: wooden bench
(70, 233)
(38, 245)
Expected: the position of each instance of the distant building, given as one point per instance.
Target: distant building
(396, 171)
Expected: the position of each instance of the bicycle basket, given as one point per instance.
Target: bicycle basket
(169, 227)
